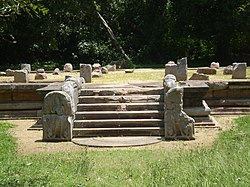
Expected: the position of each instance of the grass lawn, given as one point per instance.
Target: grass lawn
(226, 163)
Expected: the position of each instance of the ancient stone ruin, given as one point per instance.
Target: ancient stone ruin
(178, 69)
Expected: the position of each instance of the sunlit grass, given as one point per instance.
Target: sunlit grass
(139, 75)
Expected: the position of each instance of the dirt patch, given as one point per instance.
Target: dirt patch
(30, 141)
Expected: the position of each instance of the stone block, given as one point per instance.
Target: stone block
(96, 66)
(111, 67)
(215, 65)
(40, 76)
(56, 71)
(26, 67)
(68, 67)
(206, 70)
(104, 70)
(96, 74)
(3, 74)
(179, 69)
(9, 72)
(86, 72)
(228, 70)
(239, 70)
(171, 68)
(40, 71)
(21, 76)
(199, 76)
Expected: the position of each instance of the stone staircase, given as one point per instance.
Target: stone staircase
(119, 110)
(128, 110)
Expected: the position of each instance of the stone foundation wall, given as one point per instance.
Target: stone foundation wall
(18, 100)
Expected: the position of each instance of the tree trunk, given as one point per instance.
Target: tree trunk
(112, 36)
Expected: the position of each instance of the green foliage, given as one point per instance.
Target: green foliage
(150, 32)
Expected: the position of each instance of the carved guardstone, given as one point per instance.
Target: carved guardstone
(178, 125)
(58, 115)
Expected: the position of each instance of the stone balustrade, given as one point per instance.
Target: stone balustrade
(59, 109)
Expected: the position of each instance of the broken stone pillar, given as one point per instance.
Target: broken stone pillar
(58, 116)
(239, 70)
(86, 72)
(21, 76)
(26, 67)
(178, 125)
(182, 69)
(179, 69)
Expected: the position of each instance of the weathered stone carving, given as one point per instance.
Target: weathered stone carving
(58, 115)
(178, 125)
(57, 128)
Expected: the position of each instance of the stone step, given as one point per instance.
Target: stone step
(230, 110)
(229, 102)
(120, 106)
(24, 105)
(120, 91)
(121, 99)
(104, 132)
(147, 114)
(18, 114)
(111, 123)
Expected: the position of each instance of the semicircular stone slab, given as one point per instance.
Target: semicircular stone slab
(117, 141)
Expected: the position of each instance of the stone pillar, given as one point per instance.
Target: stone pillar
(86, 72)
(182, 69)
(58, 116)
(26, 67)
(239, 70)
(21, 76)
(178, 125)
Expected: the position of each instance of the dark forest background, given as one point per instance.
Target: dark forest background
(51, 33)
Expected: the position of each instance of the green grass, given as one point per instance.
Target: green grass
(226, 163)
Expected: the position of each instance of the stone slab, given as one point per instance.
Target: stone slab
(117, 141)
